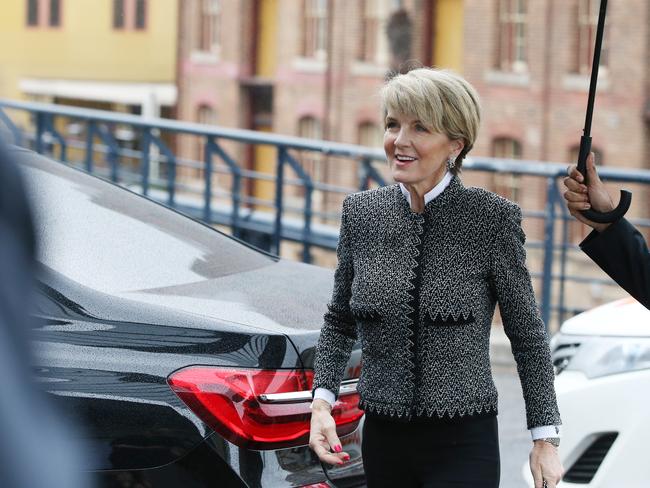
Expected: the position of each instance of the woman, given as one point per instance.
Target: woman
(421, 266)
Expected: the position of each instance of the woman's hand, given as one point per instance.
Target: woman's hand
(322, 435)
(582, 197)
(545, 465)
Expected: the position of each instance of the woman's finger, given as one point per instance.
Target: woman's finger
(333, 439)
(328, 457)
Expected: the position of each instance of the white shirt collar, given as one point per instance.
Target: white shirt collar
(431, 194)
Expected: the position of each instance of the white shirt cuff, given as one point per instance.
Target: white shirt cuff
(545, 431)
(325, 394)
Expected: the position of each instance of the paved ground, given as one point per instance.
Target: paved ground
(514, 438)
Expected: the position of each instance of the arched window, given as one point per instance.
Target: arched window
(370, 135)
(574, 152)
(311, 128)
(206, 115)
(507, 184)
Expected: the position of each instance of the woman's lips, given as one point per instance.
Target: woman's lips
(403, 161)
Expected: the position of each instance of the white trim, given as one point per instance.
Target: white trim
(104, 91)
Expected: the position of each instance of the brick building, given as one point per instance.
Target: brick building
(531, 63)
(264, 65)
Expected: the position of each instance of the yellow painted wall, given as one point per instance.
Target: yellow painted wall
(448, 32)
(85, 46)
(267, 38)
(266, 156)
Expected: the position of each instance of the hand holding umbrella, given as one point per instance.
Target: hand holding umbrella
(592, 195)
(596, 215)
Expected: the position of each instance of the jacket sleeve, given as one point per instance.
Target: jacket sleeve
(622, 253)
(338, 333)
(522, 322)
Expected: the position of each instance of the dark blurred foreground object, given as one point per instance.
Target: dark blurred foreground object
(185, 355)
(622, 253)
(35, 450)
(585, 141)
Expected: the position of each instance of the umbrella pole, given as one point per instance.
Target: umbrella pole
(585, 141)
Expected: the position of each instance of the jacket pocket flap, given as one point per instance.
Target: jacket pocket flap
(366, 311)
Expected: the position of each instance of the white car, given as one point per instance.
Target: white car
(602, 362)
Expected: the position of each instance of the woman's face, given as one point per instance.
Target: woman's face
(416, 155)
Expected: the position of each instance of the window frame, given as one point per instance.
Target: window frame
(508, 184)
(585, 17)
(314, 29)
(40, 16)
(129, 21)
(209, 31)
(512, 36)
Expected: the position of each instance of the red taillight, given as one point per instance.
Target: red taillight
(243, 406)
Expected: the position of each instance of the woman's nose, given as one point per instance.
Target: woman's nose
(402, 138)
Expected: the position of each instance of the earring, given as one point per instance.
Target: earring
(451, 162)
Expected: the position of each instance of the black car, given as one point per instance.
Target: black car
(185, 355)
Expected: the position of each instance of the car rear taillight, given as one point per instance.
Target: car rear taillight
(258, 409)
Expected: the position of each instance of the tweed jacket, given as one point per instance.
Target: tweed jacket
(468, 244)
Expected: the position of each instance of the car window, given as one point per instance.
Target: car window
(113, 241)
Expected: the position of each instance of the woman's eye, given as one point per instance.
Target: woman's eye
(421, 128)
(390, 125)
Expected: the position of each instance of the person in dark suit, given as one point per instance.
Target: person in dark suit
(618, 248)
(36, 448)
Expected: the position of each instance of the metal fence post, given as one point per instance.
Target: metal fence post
(40, 128)
(146, 156)
(549, 235)
(279, 183)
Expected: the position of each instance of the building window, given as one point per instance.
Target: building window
(310, 161)
(574, 152)
(118, 14)
(140, 14)
(370, 22)
(44, 12)
(507, 184)
(370, 135)
(315, 29)
(55, 13)
(511, 44)
(130, 14)
(206, 115)
(32, 12)
(586, 26)
(209, 37)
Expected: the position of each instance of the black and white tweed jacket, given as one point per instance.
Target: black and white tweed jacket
(468, 243)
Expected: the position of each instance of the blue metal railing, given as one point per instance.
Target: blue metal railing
(240, 211)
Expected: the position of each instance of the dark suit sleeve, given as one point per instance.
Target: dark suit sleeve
(622, 253)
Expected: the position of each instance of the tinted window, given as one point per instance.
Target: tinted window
(32, 12)
(55, 13)
(112, 240)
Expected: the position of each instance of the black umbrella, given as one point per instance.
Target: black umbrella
(585, 141)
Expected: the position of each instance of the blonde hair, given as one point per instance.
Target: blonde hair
(441, 100)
